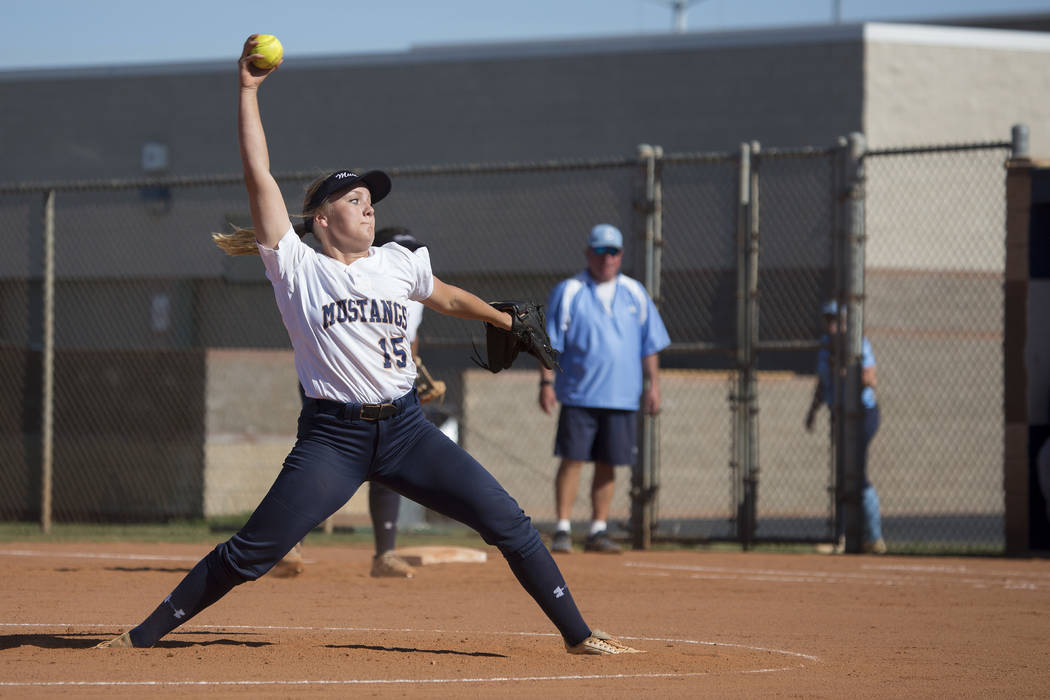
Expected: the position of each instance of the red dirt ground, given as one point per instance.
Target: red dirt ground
(736, 625)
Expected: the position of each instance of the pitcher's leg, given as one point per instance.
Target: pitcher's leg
(440, 475)
(308, 490)
(540, 576)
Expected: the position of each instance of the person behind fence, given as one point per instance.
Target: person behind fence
(609, 334)
(384, 504)
(824, 393)
(345, 311)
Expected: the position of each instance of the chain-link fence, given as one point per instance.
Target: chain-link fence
(163, 348)
(934, 315)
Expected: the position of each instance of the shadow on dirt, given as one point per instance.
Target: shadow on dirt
(414, 650)
(87, 640)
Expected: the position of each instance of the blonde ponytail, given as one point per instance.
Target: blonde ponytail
(240, 242)
(243, 242)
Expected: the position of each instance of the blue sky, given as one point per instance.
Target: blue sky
(63, 33)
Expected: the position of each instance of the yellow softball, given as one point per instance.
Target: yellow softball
(270, 48)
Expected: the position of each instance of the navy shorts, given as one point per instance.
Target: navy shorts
(597, 435)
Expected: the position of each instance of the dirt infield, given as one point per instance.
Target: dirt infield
(736, 625)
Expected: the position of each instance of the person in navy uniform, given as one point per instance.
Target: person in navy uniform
(345, 309)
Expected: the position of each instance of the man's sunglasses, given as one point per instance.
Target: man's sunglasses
(607, 251)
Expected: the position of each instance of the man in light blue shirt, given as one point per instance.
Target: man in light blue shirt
(608, 332)
(824, 393)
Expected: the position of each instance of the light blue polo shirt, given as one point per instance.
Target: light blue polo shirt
(867, 359)
(602, 351)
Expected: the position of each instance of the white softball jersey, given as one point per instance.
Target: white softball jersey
(349, 324)
(415, 316)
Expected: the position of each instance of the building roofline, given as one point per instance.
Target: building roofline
(926, 34)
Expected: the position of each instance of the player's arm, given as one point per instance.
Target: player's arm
(452, 301)
(868, 377)
(269, 213)
(547, 398)
(867, 365)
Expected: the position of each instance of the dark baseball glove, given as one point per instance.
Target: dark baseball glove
(527, 334)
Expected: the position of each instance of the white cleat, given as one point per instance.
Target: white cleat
(601, 644)
(121, 642)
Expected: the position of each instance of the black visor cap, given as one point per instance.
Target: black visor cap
(377, 182)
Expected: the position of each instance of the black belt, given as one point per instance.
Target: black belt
(366, 411)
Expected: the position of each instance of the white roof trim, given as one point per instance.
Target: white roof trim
(963, 37)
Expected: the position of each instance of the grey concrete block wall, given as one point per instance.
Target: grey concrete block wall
(504, 428)
(536, 100)
(464, 104)
(251, 407)
(251, 412)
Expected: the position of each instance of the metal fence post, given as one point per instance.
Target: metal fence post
(651, 423)
(48, 363)
(645, 473)
(744, 406)
(751, 329)
(854, 337)
(839, 266)
(1020, 531)
(1019, 141)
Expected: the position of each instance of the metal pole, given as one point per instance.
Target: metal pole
(651, 437)
(658, 228)
(840, 265)
(678, 20)
(740, 462)
(1019, 141)
(643, 485)
(750, 380)
(854, 339)
(48, 362)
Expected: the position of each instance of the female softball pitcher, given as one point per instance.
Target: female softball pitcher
(344, 308)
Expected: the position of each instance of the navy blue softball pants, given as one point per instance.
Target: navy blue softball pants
(336, 451)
